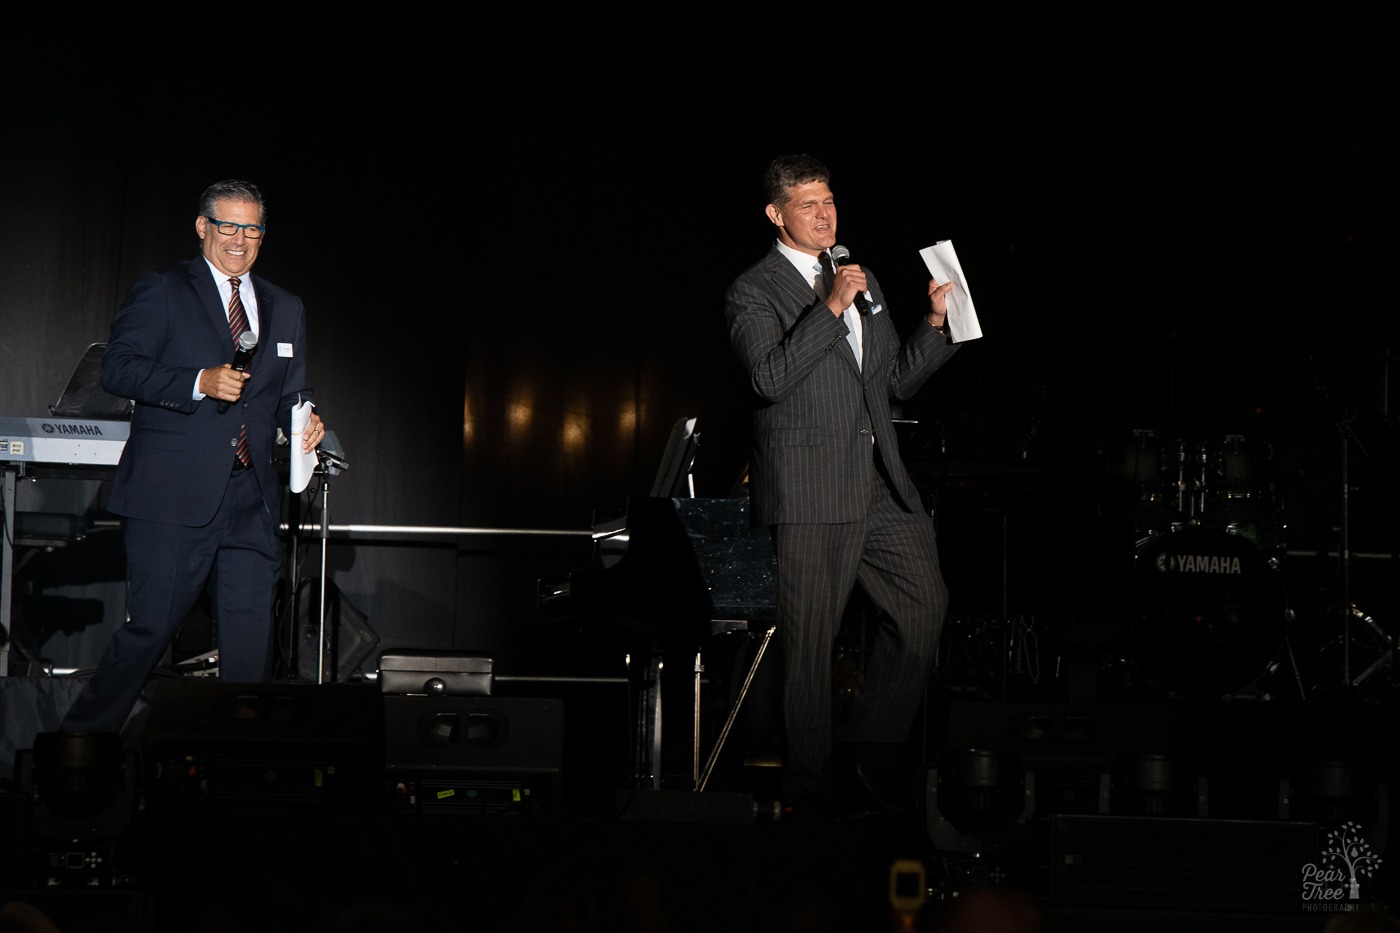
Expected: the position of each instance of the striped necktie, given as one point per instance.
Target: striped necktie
(237, 324)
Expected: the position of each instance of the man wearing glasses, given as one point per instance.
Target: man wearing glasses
(196, 485)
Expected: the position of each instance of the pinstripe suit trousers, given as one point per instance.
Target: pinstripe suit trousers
(893, 554)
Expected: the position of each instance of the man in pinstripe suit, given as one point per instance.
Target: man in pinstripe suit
(823, 360)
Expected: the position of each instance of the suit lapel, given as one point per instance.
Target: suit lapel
(202, 281)
(790, 283)
(850, 355)
(264, 323)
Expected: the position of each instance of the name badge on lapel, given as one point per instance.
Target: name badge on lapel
(284, 349)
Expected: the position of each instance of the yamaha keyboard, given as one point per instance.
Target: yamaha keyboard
(65, 459)
(71, 441)
(58, 447)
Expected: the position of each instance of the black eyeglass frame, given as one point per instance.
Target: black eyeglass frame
(219, 224)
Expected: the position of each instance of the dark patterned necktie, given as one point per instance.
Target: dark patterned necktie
(823, 288)
(237, 324)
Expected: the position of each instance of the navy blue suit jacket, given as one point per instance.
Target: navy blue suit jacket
(177, 461)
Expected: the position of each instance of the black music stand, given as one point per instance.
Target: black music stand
(84, 396)
(673, 478)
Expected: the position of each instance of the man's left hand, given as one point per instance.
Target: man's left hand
(938, 302)
(314, 434)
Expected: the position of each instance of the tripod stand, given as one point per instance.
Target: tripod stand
(1357, 652)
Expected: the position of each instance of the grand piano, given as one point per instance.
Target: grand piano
(675, 572)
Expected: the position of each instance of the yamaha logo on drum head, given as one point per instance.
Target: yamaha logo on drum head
(1198, 563)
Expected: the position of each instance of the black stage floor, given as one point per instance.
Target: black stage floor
(346, 811)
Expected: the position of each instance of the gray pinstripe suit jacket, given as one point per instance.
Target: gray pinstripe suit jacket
(815, 408)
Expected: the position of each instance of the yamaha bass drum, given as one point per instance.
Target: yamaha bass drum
(1211, 613)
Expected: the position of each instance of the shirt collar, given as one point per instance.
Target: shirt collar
(805, 263)
(221, 278)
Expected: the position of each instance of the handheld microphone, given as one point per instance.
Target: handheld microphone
(247, 343)
(840, 256)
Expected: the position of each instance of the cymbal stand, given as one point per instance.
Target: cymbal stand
(1196, 486)
(1344, 548)
(1347, 437)
(1388, 418)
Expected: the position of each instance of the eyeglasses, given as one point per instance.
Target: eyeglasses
(229, 228)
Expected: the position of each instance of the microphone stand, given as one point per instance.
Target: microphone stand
(327, 464)
(321, 613)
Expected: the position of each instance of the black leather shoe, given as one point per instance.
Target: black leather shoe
(810, 809)
(885, 790)
(876, 777)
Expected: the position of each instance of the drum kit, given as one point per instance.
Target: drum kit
(1226, 486)
(1159, 571)
(1212, 616)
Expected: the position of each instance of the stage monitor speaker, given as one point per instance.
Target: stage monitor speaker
(210, 743)
(474, 755)
(350, 640)
(435, 673)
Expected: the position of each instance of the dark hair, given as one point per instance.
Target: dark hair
(788, 171)
(232, 189)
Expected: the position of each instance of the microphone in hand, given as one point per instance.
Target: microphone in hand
(247, 343)
(841, 256)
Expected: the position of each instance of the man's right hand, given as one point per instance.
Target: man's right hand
(848, 282)
(223, 383)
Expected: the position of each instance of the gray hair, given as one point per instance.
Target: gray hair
(232, 189)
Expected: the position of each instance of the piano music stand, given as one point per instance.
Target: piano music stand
(84, 396)
(673, 477)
